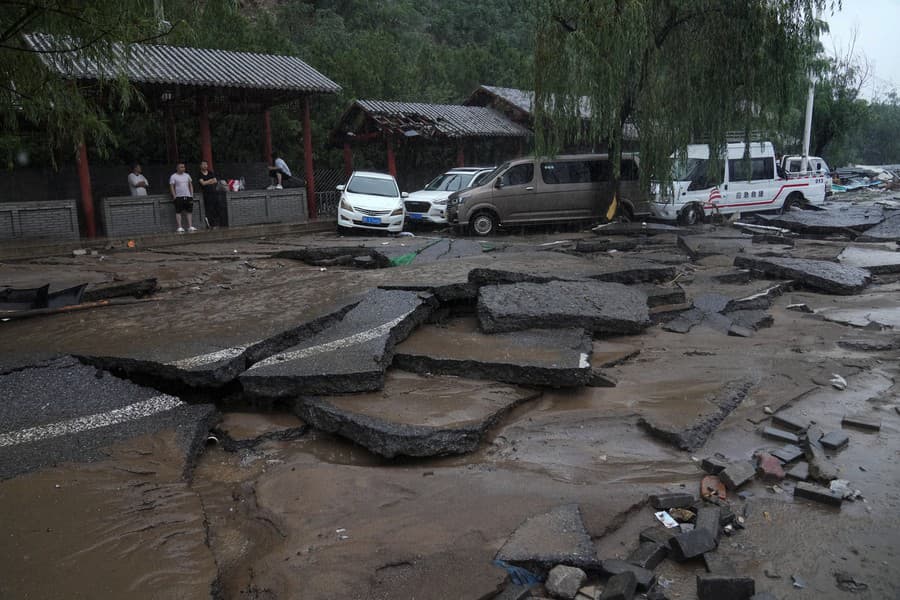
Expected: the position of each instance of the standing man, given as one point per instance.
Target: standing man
(278, 170)
(208, 185)
(137, 183)
(181, 187)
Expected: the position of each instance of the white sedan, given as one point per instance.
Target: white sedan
(371, 200)
(429, 205)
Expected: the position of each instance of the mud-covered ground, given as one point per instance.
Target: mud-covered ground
(257, 503)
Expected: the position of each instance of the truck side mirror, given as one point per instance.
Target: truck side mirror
(404, 194)
(499, 183)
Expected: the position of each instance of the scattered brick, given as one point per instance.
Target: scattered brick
(719, 587)
(835, 440)
(789, 422)
(780, 435)
(788, 453)
(648, 555)
(862, 422)
(768, 467)
(620, 587)
(693, 544)
(671, 500)
(819, 494)
(737, 474)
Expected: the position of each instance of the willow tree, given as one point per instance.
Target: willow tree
(37, 104)
(676, 70)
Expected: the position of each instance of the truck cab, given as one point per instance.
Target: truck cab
(743, 185)
(815, 165)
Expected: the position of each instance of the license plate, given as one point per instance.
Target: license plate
(414, 216)
(372, 220)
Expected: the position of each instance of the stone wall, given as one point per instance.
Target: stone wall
(125, 216)
(53, 220)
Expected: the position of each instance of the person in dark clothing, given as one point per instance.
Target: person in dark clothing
(212, 199)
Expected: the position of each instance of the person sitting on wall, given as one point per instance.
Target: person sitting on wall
(181, 186)
(278, 171)
(137, 183)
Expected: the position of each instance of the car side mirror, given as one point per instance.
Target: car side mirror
(499, 183)
(340, 188)
(404, 194)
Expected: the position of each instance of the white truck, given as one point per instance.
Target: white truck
(793, 166)
(746, 185)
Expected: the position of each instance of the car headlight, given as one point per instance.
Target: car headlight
(461, 200)
(440, 202)
(397, 212)
(345, 205)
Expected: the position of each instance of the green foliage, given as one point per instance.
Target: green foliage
(677, 69)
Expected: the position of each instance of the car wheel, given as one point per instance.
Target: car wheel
(790, 202)
(692, 215)
(484, 223)
(624, 215)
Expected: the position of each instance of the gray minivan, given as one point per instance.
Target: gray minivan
(530, 191)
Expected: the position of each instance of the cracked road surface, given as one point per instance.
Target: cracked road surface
(109, 487)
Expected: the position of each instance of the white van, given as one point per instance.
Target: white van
(746, 186)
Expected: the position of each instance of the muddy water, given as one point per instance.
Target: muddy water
(127, 525)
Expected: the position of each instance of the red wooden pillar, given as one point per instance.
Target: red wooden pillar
(267, 137)
(308, 162)
(460, 154)
(348, 159)
(171, 137)
(205, 135)
(391, 159)
(87, 196)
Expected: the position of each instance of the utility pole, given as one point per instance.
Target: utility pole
(807, 129)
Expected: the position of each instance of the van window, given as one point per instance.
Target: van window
(760, 168)
(572, 171)
(518, 175)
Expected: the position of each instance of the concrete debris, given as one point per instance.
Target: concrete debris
(842, 487)
(660, 536)
(693, 544)
(719, 587)
(644, 577)
(661, 296)
(849, 583)
(669, 500)
(415, 416)
(708, 517)
(780, 435)
(761, 300)
(818, 494)
(648, 555)
(459, 349)
(799, 472)
(835, 440)
(737, 474)
(769, 238)
(445, 292)
(589, 592)
(546, 540)
(600, 378)
(818, 275)
(349, 357)
(804, 308)
(820, 466)
(788, 453)
(711, 488)
(564, 582)
(875, 344)
(601, 308)
(636, 228)
(620, 587)
(865, 422)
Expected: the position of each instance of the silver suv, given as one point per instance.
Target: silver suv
(429, 205)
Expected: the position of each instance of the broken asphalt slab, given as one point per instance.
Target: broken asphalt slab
(415, 416)
(599, 307)
(545, 357)
(543, 267)
(886, 231)
(693, 434)
(207, 365)
(557, 537)
(873, 260)
(818, 275)
(350, 356)
(379, 255)
(65, 411)
(636, 228)
(840, 219)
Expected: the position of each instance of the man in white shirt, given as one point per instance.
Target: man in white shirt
(137, 183)
(181, 186)
(277, 171)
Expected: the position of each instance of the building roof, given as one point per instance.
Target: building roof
(198, 67)
(437, 120)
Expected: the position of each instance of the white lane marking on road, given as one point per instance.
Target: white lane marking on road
(584, 363)
(132, 412)
(206, 359)
(356, 338)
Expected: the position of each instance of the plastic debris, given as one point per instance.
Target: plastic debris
(838, 382)
(666, 519)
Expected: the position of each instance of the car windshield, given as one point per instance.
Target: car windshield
(690, 169)
(373, 186)
(449, 182)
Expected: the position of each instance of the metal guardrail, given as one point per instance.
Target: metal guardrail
(327, 199)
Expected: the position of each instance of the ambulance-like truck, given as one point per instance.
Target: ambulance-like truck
(750, 185)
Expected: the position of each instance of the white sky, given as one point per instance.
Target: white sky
(877, 27)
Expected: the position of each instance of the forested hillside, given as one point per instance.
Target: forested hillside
(426, 51)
